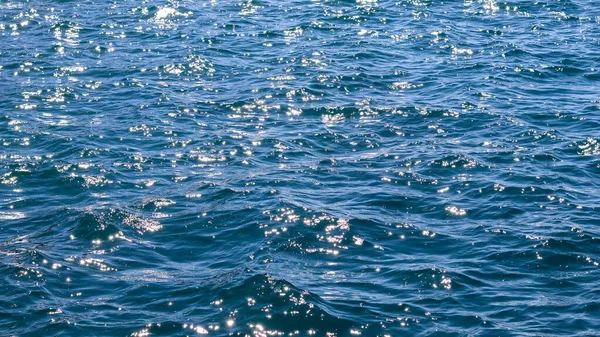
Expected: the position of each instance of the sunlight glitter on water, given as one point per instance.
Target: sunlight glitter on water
(329, 168)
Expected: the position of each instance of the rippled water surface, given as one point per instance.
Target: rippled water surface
(296, 168)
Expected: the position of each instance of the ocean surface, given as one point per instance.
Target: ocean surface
(300, 168)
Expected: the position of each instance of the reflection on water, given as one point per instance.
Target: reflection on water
(326, 168)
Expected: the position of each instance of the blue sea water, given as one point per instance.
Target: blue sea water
(300, 168)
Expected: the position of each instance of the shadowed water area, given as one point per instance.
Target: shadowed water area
(300, 168)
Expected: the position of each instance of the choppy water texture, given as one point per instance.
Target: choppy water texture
(295, 168)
